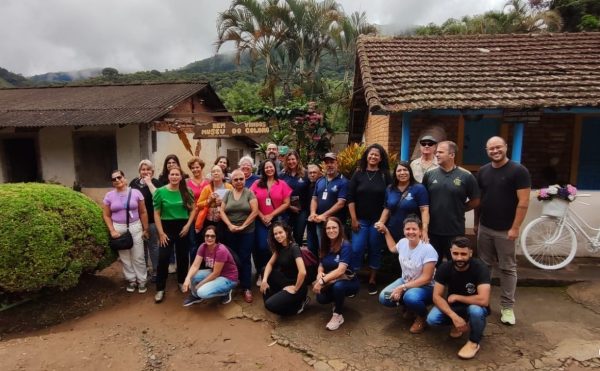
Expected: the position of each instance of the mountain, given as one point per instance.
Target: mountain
(9, 79)
(65, 77)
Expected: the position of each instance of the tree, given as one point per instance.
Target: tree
(110, 73)
(577, 15)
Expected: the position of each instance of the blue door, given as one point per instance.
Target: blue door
(588, 176)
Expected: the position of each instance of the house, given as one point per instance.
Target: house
(540, 92)
(75, 135)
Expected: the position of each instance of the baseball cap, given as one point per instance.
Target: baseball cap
(330, 155)
(428, 138)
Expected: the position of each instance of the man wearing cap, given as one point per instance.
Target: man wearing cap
(427, 161)
(329, 198)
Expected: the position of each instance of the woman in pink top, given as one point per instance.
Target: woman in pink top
(273, 196)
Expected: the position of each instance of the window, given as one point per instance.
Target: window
(95, 158)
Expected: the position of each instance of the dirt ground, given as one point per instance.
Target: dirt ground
(99, 326)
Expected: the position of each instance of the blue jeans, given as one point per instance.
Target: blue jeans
(369, 239)
(337, 293)
(220, 286)
(298, 224)
(243, 244)
(415, 299)
(262, 253)
(473, 314)
(312, 238)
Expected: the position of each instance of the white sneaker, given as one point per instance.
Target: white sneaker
(172, 268)
(259, 281)
(335, 322)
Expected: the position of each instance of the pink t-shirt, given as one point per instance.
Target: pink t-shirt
(196, 189)
(117, 202)
(278, 192)
(220, 255)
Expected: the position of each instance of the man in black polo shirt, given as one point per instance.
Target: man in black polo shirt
(466, 305)
(505, 187)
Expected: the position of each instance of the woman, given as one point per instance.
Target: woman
(417, 260)
(220, 276)
(238, 211)
(174, 213)
(334, 280)
(366, 194)
(147, 185)
(246, 165)
(170, 162)
(211, 198)
(196, 184)
(223, 163)
(273, 198)
(403, 197)
(294, 175)
(283, 287)
(114, 213)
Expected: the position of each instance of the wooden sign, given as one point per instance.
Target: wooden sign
(215, 130)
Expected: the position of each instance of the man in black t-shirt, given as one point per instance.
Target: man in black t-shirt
(505, 186)
(466, 306)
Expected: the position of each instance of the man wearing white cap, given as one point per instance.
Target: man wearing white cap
(427, 161)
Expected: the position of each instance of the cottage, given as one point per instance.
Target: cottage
(540, 92)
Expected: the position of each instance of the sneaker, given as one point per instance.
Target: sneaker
(418, 325)
(469, 350)
(248, 298)
(191, 300)
(259, 280)
(335, 322)
(508, 316)
(142, 288)
(226, 298)
(130, 287)
(172, 268)
(304, 304)
(159, 297)
(372, 289)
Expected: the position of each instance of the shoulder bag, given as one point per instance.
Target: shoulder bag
(125, 240)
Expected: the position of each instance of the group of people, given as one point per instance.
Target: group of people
(220, 223)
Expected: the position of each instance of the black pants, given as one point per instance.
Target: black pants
(442, 245)
(279, 301)
(181, 246)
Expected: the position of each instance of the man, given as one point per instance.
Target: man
(427, 161)
(505, 187)
(329, 198)
(452, 192)
(272, 154)
(466, 305)
(314, 173)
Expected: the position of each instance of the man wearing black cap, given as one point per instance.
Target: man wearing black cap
(427, 161)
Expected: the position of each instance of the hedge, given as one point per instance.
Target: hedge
(49, 236)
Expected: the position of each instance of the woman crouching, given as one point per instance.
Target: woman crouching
(220, 276)
(282, 285)
(417, 261)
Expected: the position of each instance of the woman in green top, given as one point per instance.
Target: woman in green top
(173, 214)
(238, 211)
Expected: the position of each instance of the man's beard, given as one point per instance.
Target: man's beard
(272, 156)
(461, 264)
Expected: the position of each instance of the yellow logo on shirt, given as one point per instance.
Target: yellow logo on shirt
(457, 182)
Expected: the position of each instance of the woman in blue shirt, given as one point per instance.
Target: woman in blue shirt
(335, 280)
(295, 176)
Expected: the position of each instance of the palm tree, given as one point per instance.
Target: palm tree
(522, 18)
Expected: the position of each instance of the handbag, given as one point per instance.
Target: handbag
(125, 240)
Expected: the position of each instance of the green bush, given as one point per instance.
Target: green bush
(49, 236)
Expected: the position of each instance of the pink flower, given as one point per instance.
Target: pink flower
(544, 192)
(572, 190)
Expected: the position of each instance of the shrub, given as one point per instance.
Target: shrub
(49, 236)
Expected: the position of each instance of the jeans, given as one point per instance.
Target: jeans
(442, 245)
(262, 253)
(195, 240)
(279, 301)
(337, 293)
(473, 314)
(134, 265)
(243, 244)
(151, 247)
(312, 240)
(298, 224)
(494, 246)
(220, 286)
(415, 299)
(369, 239)
(181, 245)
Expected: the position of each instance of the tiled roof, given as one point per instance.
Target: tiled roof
(91, 105)
(480, 71)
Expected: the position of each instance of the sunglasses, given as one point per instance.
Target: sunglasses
(427, 144)
(116, 178)
(237, 179)
(210, 236)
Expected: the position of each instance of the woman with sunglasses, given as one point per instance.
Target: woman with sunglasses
(174, 214)
(114, 213)
(219, 277)
(427, 161)
(238, 211)
(283, 287)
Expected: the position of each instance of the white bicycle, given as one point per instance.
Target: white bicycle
(550, 242)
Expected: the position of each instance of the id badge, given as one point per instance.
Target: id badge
(324, 197)
(268, 202)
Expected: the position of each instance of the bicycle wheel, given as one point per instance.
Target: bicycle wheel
(547, 244)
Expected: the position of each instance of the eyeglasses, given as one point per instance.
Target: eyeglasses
(427, 144)
(237, 179)
(119, 177)
(210, 236)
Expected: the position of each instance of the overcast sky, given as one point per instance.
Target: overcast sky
(39, 36)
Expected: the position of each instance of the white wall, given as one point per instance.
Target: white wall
(128, 150)
(56, 155)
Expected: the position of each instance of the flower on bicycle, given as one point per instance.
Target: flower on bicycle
(567, 193)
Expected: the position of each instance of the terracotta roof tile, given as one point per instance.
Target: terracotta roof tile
(480, 71)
